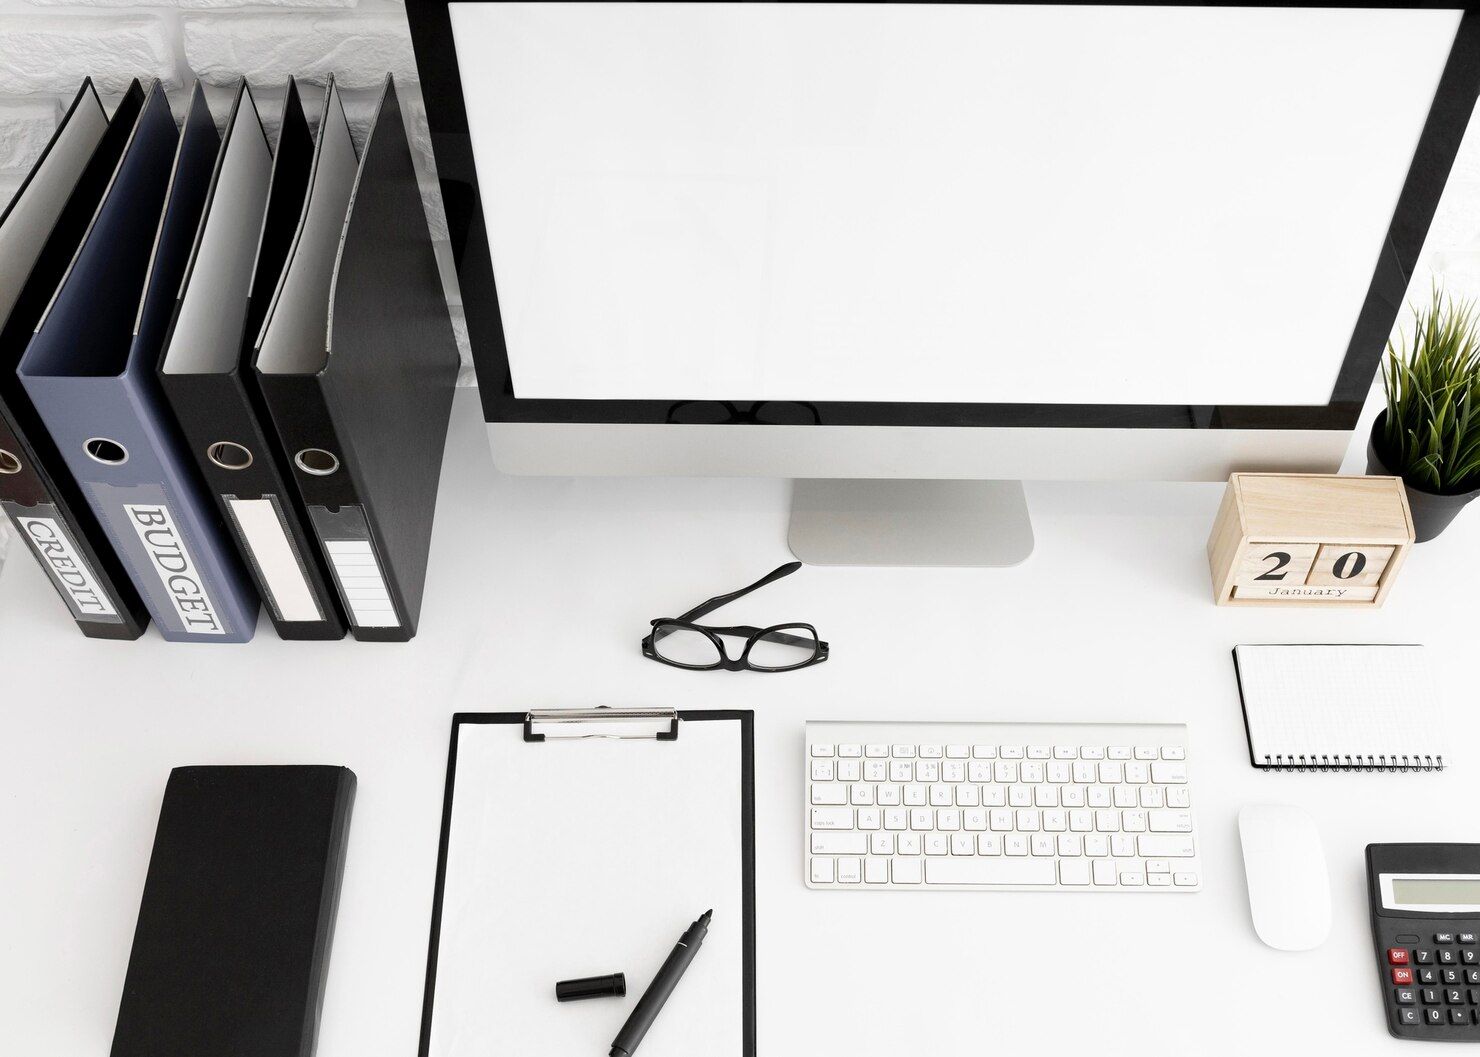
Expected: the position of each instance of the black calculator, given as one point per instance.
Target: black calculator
(1426, 923)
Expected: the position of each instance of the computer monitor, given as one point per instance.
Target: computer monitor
(911, 254)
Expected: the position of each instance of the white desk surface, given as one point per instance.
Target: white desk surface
(538, 593)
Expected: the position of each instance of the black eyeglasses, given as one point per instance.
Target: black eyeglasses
(780, 648)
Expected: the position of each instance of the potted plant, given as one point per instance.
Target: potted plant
(1429, 435)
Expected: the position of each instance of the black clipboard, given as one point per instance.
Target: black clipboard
(661, 725)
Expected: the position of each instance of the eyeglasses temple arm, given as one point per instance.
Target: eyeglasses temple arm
(720, 600)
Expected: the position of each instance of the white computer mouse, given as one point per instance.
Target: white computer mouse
(1289, 890)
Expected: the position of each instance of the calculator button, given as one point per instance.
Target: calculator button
(1397, 956)
(1469, 957)
(1443, 937)
(1402, 976)
(1430, 996)
(1447, 956)
(1434, 1016)
(1404, 996)
(1423, 957)
(1474, 997)
(1467, 937)
(1459, 1016)
(1472, 976)
(1450, 976)
(1408, 1016)
(1455, 996)
(1428, 976)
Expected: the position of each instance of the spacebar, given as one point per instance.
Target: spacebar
(990, 872)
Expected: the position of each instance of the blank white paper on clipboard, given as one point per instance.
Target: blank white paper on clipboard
(575, 857)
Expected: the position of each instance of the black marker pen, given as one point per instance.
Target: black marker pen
(662, 986)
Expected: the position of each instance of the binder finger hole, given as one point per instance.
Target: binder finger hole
(316, 461)
(229, 455)
(108, 452)
(9, 463)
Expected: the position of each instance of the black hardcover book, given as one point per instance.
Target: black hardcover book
(232, 947)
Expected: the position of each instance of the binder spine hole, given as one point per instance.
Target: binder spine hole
(316, 461)
(9, 463)
(108, 452)
(229, 455)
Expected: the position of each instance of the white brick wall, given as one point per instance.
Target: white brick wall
(48, 46)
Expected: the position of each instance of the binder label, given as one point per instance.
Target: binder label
(70, 573)
(275, 558)
(173, 565)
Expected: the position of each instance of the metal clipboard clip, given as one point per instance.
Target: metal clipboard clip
(616, 724)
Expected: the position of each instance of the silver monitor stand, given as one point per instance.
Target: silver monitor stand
(894, 522)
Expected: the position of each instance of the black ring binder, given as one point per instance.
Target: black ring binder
(1345, 762)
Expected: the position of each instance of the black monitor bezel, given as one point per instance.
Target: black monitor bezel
(1444, 128)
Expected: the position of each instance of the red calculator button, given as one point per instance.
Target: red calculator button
(1397, 956)
(1402, 976)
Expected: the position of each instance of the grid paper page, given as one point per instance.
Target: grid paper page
(1338, 701)
(581, 858)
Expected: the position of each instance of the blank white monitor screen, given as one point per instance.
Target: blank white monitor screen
(939, 203)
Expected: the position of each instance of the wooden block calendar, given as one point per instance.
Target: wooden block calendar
(1290, 539)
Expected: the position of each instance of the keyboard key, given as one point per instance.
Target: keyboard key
(1152, 796)
(888, 796)
(1169, 773)
(1122, 845)
(953, 771)
(875, 771)
(901, 771)
(1065, 752)
(963, 844)
(931, 752)
(1185, 880)
(941, 795)
(1158, 866)
(958, 752)
(876, 871)
(861, 795)
(984, 752)
(868, 818)
(1104, 872)
(879, 844)
(850, 751)
(1179, 796)
(876, 752)
(1111, 772)
(850, 871)
(1040, 752)
(1099, 796)
(1124, 796)
(968, 795)
(1173, 752)
(1096, 844)
(1165, 846)
(1137, 773)
(1011, 752)
(1147, 752)
(832, 818)
(907, 871)
(1073, 871)
(988, 844)
(1132, 879)
(974, 820)
(1119, 752)
(1070, 845)
(948, 820)
(824, 750)
(1159, 880)
(1041, 844)
(902, 752)
(896, 818)
(1091, 752)
(839, 843)
(1169, 821)
(850, 771)
(927, 771)
(914, 795)
(822, 870)
(990, 871)
(1015, 844)
(937, 844)
(909, 843)
(830, 794)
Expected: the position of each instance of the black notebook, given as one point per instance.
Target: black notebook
(232, 946)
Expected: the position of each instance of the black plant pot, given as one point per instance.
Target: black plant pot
(1432, 512)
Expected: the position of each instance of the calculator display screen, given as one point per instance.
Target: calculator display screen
(1436, 891)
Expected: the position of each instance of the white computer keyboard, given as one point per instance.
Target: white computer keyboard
(1002, 806)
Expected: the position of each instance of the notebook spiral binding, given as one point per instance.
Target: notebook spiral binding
(1343, 762)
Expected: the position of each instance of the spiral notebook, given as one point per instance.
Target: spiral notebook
(1348, 708)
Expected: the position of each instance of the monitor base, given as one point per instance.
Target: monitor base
(889, 522)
